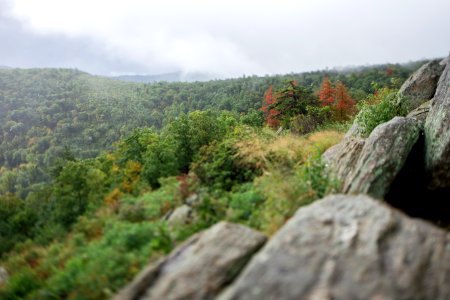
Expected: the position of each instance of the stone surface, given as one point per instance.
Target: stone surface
(382, 157)
(341, 158)
(421, 86)
(420, 114)
(200, 267)
(348, 247)
(4, 276)
(180, 216)
(192, 199)
(355, 131)
(437, 134)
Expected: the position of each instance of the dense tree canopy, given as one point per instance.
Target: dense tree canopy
(45, 111)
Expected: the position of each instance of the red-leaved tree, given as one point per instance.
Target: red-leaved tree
(344, 104)
(270, 113)
(326, 93)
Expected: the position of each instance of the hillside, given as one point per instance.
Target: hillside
(97, 219)
(46, 113)
(168, 77)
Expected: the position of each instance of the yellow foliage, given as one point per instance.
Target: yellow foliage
(32, 141)
(115, 168)
(284, 150)
(111, 157)
(322, 140)
(112, 199)
(133, 169)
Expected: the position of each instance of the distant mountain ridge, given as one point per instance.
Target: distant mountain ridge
(168, 77)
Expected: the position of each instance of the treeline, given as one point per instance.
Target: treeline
(89, 230)
(47, 112)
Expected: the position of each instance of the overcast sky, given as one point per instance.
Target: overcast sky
(227, 38)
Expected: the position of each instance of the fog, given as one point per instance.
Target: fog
(221, 38)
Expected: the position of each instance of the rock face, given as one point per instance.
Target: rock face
(437, 134)
(420, 114)
(382, 157)
(349, 247)
(370, 166)
(354, 132)
(200, 267)
(421, 86)
(342, 158)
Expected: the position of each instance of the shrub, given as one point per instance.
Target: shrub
(21, 285)
(285, 193)
(132, 212)
(243, 204)
(219, 166)
(378, 109)
(99, 269)
(306, 123)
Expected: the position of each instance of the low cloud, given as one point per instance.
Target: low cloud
(227, 38)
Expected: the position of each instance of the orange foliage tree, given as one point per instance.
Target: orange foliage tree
(326, 93)
(269, 112)
(344, 104)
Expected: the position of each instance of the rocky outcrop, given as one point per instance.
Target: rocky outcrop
(420, 114)
(200, 267)
(341, 159)
(437, 135)
(421, 86)
(370, 165)
(382, 157)
(349, 247)
(355, 131)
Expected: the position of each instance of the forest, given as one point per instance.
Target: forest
(47, 113)
(92, 167)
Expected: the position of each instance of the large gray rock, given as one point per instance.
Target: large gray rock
(437, 134)
(4, 276)
(200, 267)
(420, 114)
(355, 131)
(348, 247)
(180, 216)
(421, 86)
(341, 159)
(382, 157)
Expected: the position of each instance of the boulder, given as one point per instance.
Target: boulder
(192, 199)
(421, 85)
(341, 158)
(437, 135)
(348, 247)
(180, 216)
(200, 267)
(4, 276)
(355, 131)
(420, 114)
(382, 157)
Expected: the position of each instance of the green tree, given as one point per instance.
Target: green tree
(293, 100)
